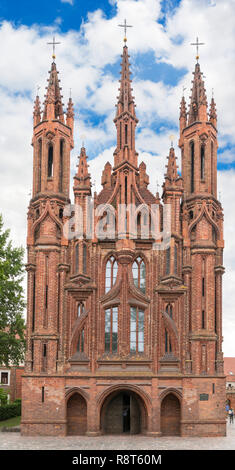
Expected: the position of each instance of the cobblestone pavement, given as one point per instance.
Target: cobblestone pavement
(14, 441)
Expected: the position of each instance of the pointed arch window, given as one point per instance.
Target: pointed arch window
(110, 273)
(50, 161)
(39, 163)
(139, 274)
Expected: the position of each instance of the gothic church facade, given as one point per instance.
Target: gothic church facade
(123, 337)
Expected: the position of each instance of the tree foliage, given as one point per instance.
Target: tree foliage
(12, 325)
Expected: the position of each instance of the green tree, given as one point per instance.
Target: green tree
(3, 397)
(12, 325)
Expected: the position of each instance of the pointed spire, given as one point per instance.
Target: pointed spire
(198, 104)
(53, 107)
(125, 98)
(70, 114)
(125, 119)
(183, 114)
(82, 179)
(213, 113)
(37, 111)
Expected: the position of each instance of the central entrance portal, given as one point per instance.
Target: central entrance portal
(121, 413)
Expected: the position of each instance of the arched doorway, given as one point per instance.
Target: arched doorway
(76, 415)
(170, 415)
(123, 412)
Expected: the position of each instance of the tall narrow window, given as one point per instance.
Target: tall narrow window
(43, 394)
(111, 330)
(39, 163)
(126, 190)
(192, 166)
(61, 165)
(110, 273)
(139, 274)
(44, 357)
(137, 330)
(80, 309)
(169, 310)
(203, 287)
(34, 289)
(202, 162)
(84, 258)
(80, 344)
(168, 348)
(168, 259)
(212, 167)
(50, 161)
(203, 319)
(126, 129)
(120, 135)
(77, 258)
(176, 259)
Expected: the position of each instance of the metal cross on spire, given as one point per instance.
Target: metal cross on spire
(197, 44)
(125, 26)
(53, 44)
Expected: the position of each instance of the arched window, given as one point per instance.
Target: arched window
(139, 274)
(110, 273)
(50, 161)
(80, 343)
(202, 162)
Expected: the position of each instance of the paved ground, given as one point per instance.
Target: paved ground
(14, 441)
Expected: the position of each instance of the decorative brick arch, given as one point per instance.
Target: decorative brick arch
(170, 412)
(76, 411)
(140, 397)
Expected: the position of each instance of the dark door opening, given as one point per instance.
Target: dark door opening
(126, 406)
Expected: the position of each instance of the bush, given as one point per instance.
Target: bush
(10, 411)
(3, 397)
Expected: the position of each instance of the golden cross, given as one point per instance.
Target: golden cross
(197, 44)
(125, 26)
(53, 44)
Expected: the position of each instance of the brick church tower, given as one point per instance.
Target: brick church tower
(124, 332)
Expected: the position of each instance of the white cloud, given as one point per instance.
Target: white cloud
(71, 2)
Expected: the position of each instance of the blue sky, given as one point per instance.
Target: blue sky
(88, 59)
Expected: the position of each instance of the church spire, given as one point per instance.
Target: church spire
(82, 179)
(125, 119)
(53, 107)
(198, 103)
(213, 113)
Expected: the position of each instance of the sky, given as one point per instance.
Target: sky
(88, 59)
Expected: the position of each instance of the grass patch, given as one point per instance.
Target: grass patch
(11, 422)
